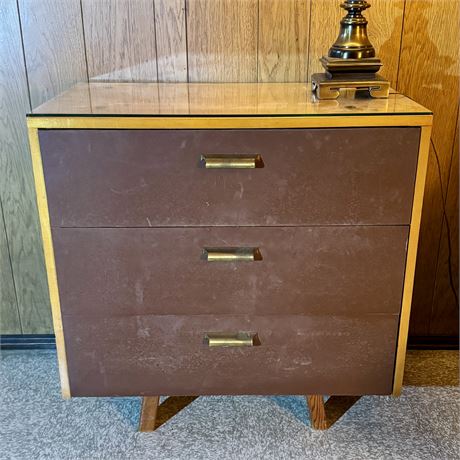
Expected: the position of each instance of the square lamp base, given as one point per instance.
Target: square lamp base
(329, 88)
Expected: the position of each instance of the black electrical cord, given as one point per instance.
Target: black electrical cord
(446, 219)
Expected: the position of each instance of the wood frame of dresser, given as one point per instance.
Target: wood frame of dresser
(424, 121)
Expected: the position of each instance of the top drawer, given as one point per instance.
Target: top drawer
(141, 178)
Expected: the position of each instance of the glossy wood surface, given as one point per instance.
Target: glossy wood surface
(171, 40)
(114, 50)
(55, 56)
(283, 40)
(430, 59)
(222, 40)
(23, 256)
(447, 270)
(142, 178)
(145, 355)
(216, 99)
(386, 19)
(320, 270)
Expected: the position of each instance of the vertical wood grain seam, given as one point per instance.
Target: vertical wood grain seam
(186, 45)
(11, 266)
(156, 49)
(156, 44)
(84, 44)
(450, 161)
(29, 99)
(86, 54)
(436, 262)
(258, 41)
(24, 57)
(438, 247)
(309, 40)
(401, 43)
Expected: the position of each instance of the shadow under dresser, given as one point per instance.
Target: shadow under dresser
(229, 239)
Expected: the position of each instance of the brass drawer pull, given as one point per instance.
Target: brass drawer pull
(232, 161)
(231, 254)
(238, 339)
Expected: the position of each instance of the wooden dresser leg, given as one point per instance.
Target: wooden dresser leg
(317, 412)
(149, 413)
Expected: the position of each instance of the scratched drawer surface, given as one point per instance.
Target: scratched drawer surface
(141, 178)
(169, 355)
(226, 270)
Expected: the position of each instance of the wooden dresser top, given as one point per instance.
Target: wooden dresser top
(216, 99)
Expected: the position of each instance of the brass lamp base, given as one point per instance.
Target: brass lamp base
(337, 66)
(329, 88)
(351, 62)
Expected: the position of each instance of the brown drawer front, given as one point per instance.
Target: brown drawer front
(141, 178)
(167, 355)
(304, 270)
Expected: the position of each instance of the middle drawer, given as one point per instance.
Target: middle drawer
(297, 270)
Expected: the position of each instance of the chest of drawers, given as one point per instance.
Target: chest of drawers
(243, 240)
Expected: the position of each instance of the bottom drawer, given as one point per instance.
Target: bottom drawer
(167, 355)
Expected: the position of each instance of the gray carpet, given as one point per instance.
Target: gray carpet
(37, 424)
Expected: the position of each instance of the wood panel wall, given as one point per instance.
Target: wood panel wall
(48, 45)
(20, 219)
(429, 73)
